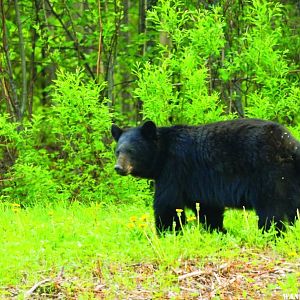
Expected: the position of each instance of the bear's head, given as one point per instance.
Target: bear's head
(136, 150)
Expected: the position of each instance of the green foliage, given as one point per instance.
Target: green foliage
(176, 84)
(243, 53)
(79, 122)
(60, 155)
(179, 82)
(202, 64)
(269, 88)
(65, 153)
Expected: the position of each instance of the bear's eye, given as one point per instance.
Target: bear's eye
(117, 152)
(129, 151)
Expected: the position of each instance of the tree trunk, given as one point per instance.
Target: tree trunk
(24, 99)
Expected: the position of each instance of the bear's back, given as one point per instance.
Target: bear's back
(242, 145)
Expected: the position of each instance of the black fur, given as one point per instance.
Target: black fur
(240, 163)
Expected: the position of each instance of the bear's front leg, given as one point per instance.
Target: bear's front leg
(167, 220)
(166, 212)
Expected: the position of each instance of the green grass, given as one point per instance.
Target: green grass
(108, 250)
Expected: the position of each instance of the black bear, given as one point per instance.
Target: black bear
(238, 163)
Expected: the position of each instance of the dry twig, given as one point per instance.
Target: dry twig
(57, 279)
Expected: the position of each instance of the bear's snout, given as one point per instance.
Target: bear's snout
(120, 170)
(123, 166)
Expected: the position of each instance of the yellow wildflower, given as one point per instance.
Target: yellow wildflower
(144, 217)
(179, 211)
(293, 253)
(133, 218)
(131, 225)
(142, 225)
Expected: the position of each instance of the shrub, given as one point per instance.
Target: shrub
(61, 153)
(175, 87)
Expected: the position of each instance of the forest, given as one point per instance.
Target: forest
(70, 227)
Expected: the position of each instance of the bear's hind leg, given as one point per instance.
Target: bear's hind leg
(265, 222)
(294, 216)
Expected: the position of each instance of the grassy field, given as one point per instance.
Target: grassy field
(112, 252)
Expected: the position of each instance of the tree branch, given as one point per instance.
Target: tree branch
(69, 34)
(99, 62)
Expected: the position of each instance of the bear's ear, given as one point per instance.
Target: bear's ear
(116, 132)
(149, 130)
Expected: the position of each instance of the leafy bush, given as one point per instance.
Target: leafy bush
(79, 123)
(174, 88)
(65, 153)
(61, 153)
(181, 82)
(268, 86)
